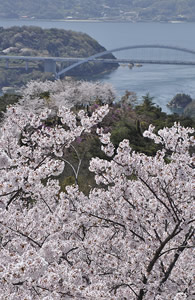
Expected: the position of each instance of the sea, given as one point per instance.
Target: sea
(162, 82)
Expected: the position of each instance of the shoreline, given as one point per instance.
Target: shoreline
(31, 19)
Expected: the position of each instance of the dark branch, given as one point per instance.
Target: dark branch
(108, 220)
(180, 249)
(116, 287)
(13, 197)
(65, 256)
(162, 245)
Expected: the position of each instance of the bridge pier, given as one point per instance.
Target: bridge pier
(50, 66)
(26, 66)
(7, 63)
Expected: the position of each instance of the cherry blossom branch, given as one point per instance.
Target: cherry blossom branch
(13, 197)
(61, 293)
(156, 257)
(176, 248)
(171, 203)
(157, 235)
(115, 288)
(162, 245)
(47, 205)
(156, 196)
(22, 234)
(65, 256)
(107, 220)
(137, 235)
(180, 249)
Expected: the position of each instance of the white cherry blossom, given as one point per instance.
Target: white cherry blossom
(130, 238)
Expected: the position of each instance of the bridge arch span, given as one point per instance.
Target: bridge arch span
(122, 49)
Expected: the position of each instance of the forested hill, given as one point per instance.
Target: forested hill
(129, 10)
(35, 41)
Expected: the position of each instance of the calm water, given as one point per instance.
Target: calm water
(161, 81)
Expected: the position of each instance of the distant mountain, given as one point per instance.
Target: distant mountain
(124, 10)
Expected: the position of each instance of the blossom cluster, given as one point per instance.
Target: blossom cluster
(38, 95)
(130, 238)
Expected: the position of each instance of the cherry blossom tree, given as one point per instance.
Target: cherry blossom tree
(36, 95)
(130, 238)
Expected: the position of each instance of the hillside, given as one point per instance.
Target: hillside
(35, 41)
(124, 10)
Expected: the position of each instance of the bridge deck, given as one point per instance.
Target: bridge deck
(104, 60)
(50, 62)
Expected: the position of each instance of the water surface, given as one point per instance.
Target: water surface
(161, 81)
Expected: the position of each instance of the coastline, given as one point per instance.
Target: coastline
(32, 19)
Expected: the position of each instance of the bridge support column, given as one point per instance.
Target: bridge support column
(7, 63)
(50, 66)
(26, 66)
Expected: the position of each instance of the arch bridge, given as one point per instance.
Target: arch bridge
(50, 62)
(97, 56)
